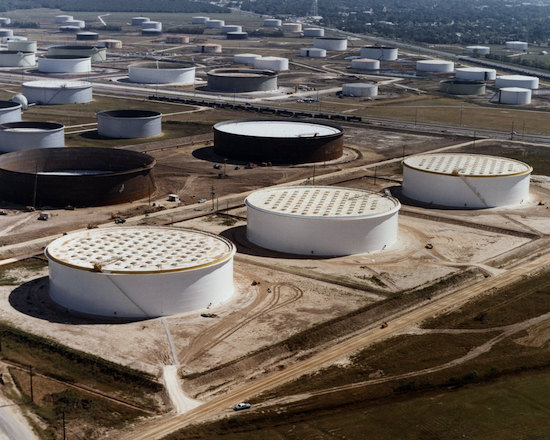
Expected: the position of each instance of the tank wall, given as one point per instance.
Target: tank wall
(473, 75)
(478, 50)
(527, 83)
(330, 44)
(140, 295)
(365, 65)
(12, 114)
(25, 46)
(231, 28)
(56, 96)
(137, 21)
(272, 22)
(27, 140)
(292, 27)
(352, 90)
(128, 128)
(242, 84)
(462, 89)
(199, 20)
(56, 65)
(96, 54)
(514, 97)
(161, 76)
(320, 237)
(214, 24)
(465, 192)
(19, 59)
(435, 67)
(314, 32)
(153, 25)
(379, 53)
(245, 59)
(270, 64)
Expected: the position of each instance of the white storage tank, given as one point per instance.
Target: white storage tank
(129, 124)
(76, 23)
(87, 36)
(365, 64)
(6, 33)
(292, 27)
(522, 81)
(96, 54)
(463, 180)
(272, 22)
(57, 92)
(516, 45)
(314, 32)
(321, 220)
(61, 19)
(140, 271)
(6, 40)
(313, 52)
(271, 63)
(514, 96)
(199, 20)
(110, 44)
(28, 135)
(64, 64)
(330, 43)
(478, 50)
(362, 90)
(10, 111)
(214, 24)
(209, 48)
(22, 45)
(476, 73)
(151, 32)
(245, 58)
(237, 35)
(436, 66)
(69, 29)
(382, 53)
(156, 72)
(138, 21)
(231, 28)
(151, 25)
(15, 58)
(4, 21)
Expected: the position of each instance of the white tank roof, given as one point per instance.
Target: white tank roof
(322, 202)
(139, 249)
(280, 129)
(516, 89)
(55, 84)
(471, 165)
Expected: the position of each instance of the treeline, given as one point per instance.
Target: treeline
(115, 6)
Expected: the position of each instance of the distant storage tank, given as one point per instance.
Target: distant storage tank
(151, 25)
(214, 24)
(14, 58)
(476, 73)
(245, 58)
(462, 87)
(321, 220)
(436, 66)
(129, 124)
(272, 22)
(177, 39)
(18, 136)
(522, 81)
(292, 27)
(76, 23)
(314, 32)
(365, 64)
(360, 90)
(231, 28)
(69, 29)
(140, 271)
(22, 46)
(516, 45)
(278, 140)
(4, 21)
(138, 21)
(382, 53)
(330, 43)
(87, 36)
(57, 92)
(96, 54)
(241, 80)
(161, 73)
(199, 20)
(313, 52)
(110, 44)
(478, 50)
(151, 32)
(61, 19)
(64, 64)
(9, 112)
(6, 33)
(271, 63)
(237, 35)
(209, 48)
(6, 40)
(514, 96)
(463, 180)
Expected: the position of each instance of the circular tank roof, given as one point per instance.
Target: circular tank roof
(66, 57)
(12, 52)
(515, 89)
(475, 69)
(30, 126)
(140, 249)
(161, 65)
(138, 114)
(278, 128)
(322, 202)
(75, 46)
(53, 84)
(242, 73)
(469, 165)
(9, 104)
(517, 77)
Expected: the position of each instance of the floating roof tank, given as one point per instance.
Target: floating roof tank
(462, 87)
(245, 58)
(516, 45)
(214, 24)
(478, 50)
(87, 36)
(241, 80)
(55, 92)
(199, 20)
(138, 21)
(10, 111)
(18, 136)
(96, 54)
(363, 90)
(514, 96)
(76, 23)
(237, 35)
(436, 66)
(313, 52)
(292, 27)
(151, 25)
(22, 45)
(476, 74)
(365, 64)
(382, 53)
(15, 58)
(60, 19)
(129, 124)
(6, 33)
(314, 32)
(331, 43)
(161, 73)
(64, 64)
(231, 28)
(271, 63)
(272, 22)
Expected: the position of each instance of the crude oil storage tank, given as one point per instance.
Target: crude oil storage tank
(365, 64)
(330, 43)
(18, 136)
(245, 58)
(363, 90)
(129, 124)
(214, 24)
(436, 66)
(83, 176)
(96, 54)
(476, 73)
(514, 96)
(231, 28)
(61, 19)
(22, 45)
(140, 271)
(15, 58)
(64, 64)
(478, 50)
(522, 81)
(87, 36)
(462, 87)
(6, 33)
(241, 80)
(382, 53)
(138, 21)
(237, 35)
(463, 180)
(81, 24)
(151, 32)
(516, 45)
(272, 22)
(69, 29)
(271, 63)
(10, 111)
(278, 140)
(199, 20)
(151, 25)
(110, 44)
(321, 220)
(157, 72)
(292, 27)
(313, 52)
(177, 39)
(57, 92)
(209, 48)
(314, 32)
